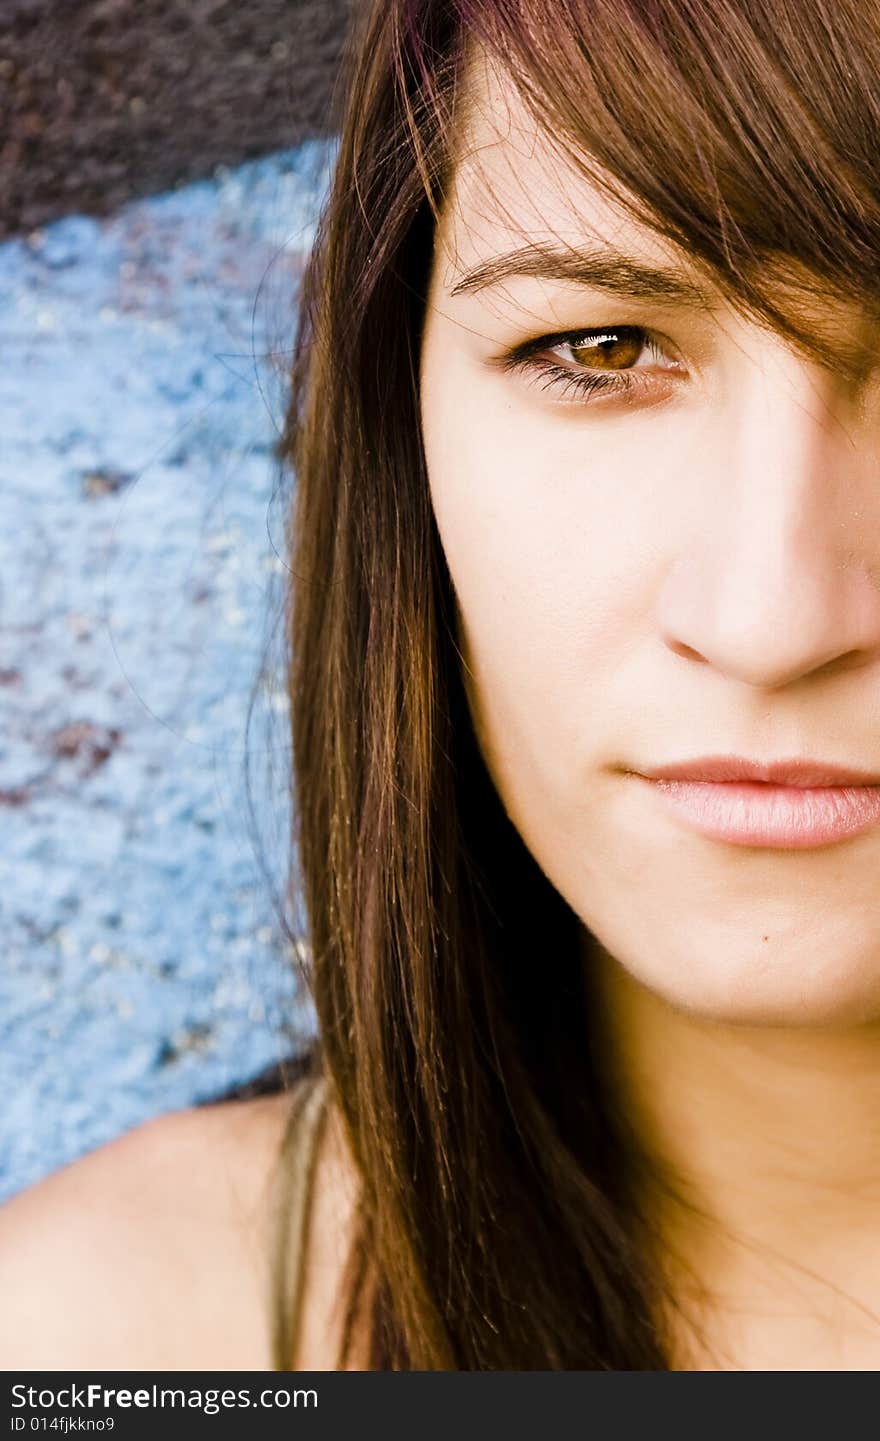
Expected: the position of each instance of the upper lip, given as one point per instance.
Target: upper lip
(794, 772)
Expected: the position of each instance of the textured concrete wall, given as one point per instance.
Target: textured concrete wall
(104, 100)
(143, 383)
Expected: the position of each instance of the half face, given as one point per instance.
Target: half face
(663, 532)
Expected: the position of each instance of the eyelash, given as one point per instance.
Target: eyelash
(571, 385)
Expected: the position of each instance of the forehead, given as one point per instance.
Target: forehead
(512, 184)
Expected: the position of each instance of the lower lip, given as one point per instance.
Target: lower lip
(749, 813)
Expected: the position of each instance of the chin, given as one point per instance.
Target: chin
(753, 1001)
(795, 983)
(789, 994)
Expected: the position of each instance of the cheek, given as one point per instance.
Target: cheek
(544, 575)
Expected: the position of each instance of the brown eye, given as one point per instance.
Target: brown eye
(608, 350)
(602, 362)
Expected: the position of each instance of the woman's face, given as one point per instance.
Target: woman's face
(690, 567)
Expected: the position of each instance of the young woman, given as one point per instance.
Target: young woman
(585, 680)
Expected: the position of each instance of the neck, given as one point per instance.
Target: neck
(764, 1171)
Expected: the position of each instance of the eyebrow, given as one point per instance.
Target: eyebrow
(602, 268)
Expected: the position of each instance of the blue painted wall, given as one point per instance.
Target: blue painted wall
(142, 385)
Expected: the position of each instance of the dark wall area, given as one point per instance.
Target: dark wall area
(105, 100)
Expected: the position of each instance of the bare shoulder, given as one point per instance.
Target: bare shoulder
(151, 1252)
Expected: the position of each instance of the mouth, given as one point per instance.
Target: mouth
(797, 772)
(769, 814)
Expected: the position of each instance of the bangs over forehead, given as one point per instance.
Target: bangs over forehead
(746, 135)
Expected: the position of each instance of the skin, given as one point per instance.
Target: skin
(692, 571)
(148, 1252)
(152, 1252)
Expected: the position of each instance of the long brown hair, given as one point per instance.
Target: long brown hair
(498, 1226)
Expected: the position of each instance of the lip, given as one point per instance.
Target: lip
(794, 772)
(786, 805)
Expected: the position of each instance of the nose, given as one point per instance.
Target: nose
(778, 573)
